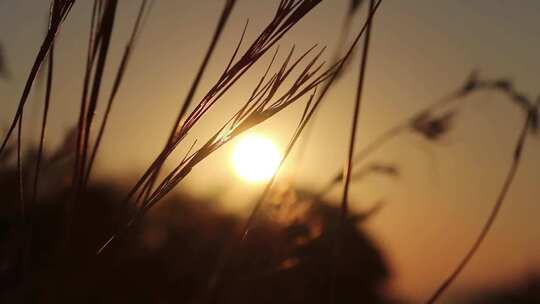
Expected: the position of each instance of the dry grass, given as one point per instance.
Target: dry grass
(295, 79)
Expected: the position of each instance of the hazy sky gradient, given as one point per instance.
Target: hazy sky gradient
(421, 51)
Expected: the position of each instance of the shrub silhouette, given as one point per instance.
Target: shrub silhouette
(174, 252)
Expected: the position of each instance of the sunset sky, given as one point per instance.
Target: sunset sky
(421, 51)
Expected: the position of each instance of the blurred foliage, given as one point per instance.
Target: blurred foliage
(172, 255)
(525, 292)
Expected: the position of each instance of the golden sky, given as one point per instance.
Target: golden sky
(421, 51)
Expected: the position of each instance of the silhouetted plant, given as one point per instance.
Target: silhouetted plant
(171, 254)
(183, 250)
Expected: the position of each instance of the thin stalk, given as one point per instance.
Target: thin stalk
(100, 49)
(106, 28)
(510, 176)
(55, 13)
(116, 85)
(63, 10)
(48, 91)
(26, 91)
(343, 33)
(349, 162)
(405, 125)
(23, 209)
(93, 42)
(226, 13)
(28, 223)
(385, 137)
(20, 169)
(322, 95)
(270, 183)
(356, 113)
(364, 153)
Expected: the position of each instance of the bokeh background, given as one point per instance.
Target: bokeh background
(421, 50)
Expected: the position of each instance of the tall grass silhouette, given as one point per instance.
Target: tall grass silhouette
(300, 77)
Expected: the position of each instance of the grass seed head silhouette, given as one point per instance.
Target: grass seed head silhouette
(283, 261)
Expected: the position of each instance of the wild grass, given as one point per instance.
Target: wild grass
(309, 112)
(530, 123)
(227, 10)
(59, 11)
(144, 9)
(435, 119)
(299, 77)
(287, 15)
(431, 125)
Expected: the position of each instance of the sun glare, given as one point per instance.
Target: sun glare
(255, 158)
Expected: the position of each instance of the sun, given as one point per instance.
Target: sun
(255, 158)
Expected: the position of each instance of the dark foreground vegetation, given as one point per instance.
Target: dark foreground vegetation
(67, 238)
(187, 251)
(175, 253)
